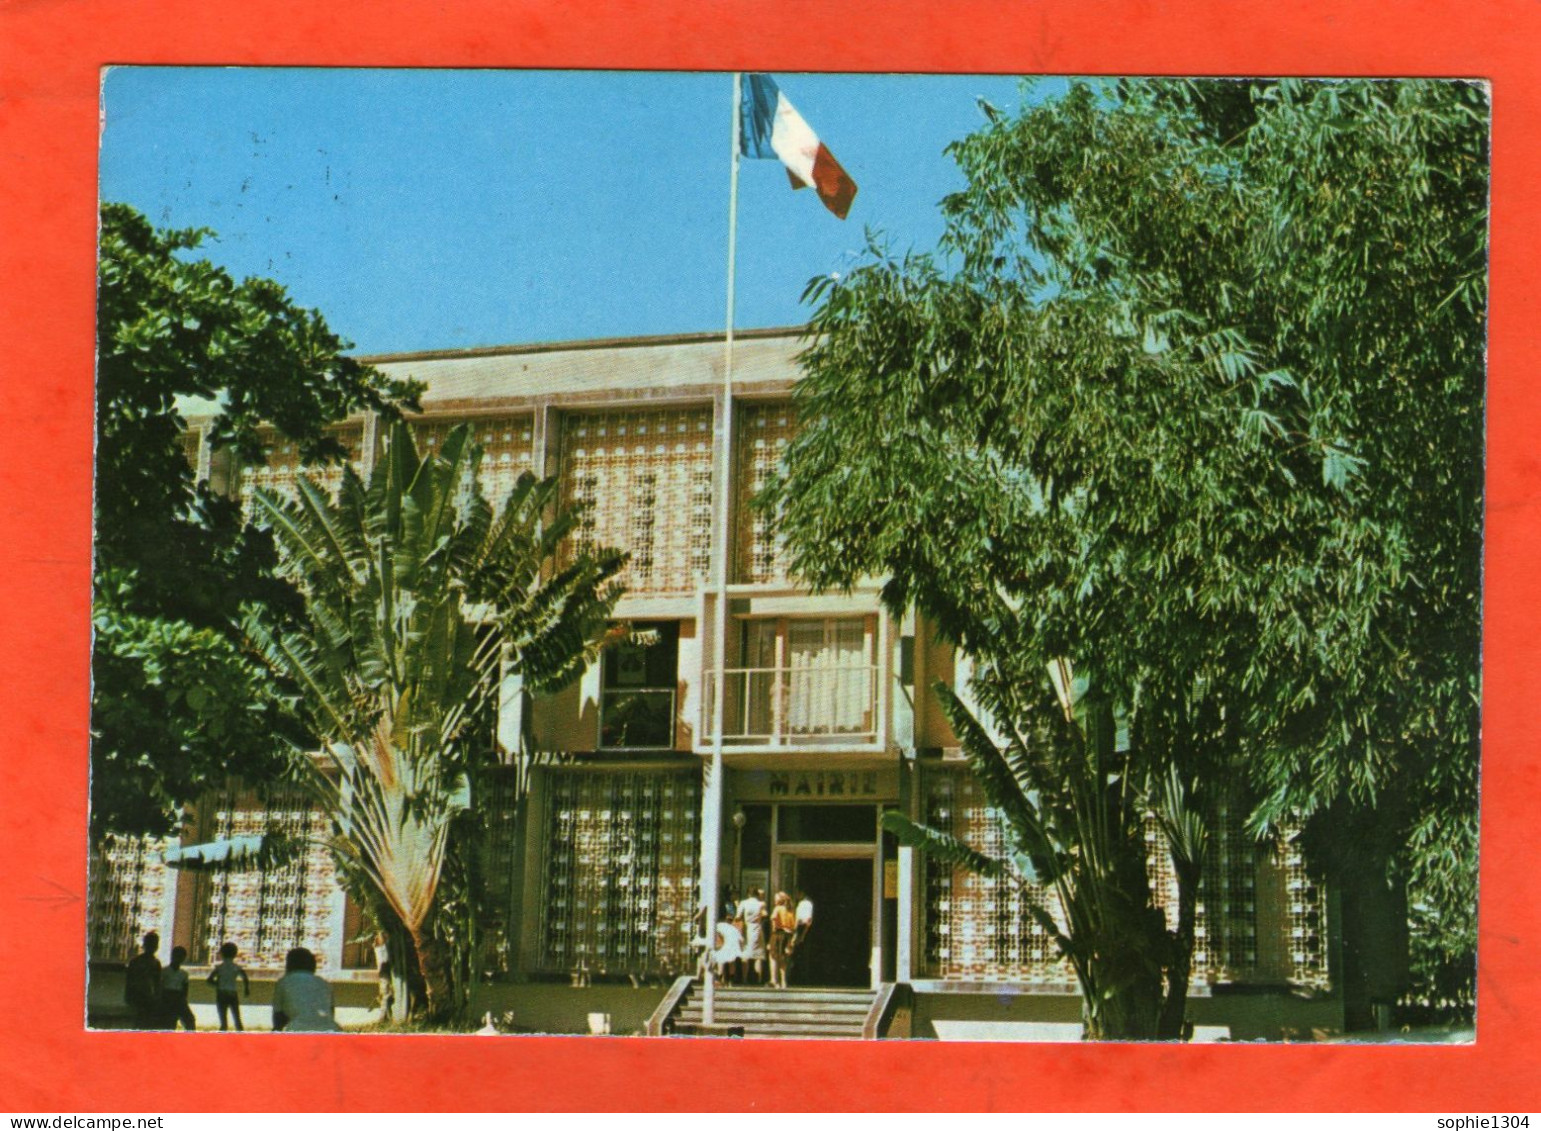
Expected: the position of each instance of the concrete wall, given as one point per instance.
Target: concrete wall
(535, 1007)
(355, 999)
(555, 1008)
(966, 1016)
(543, 1007)
(569, 719)
(934, 661)
(1013, 1016)
(674, 366)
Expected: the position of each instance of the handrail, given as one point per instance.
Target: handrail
(799, 702)
(658, 1023)
(894, 1001)
(880, 1004)
(804, 668)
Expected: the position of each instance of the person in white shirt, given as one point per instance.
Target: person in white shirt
(387, 998)
(174, 1005)
(800, 932)
(225, 978)
(302, 1002)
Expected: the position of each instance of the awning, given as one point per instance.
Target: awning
(235, 852)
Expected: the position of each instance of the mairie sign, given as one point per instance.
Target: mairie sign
(816, 785)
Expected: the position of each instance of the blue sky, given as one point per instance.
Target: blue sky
(447, 209)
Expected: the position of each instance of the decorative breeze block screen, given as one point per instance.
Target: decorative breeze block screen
(620, 870)
(282, 469)
(1305, 917)
(269, 910)
(130, 891)
(1260, 917)
(508, 448)
(764, 431)
(979, 929)
(498, 803)
(646, 478)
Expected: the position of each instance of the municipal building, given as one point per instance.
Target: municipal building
(601, 835)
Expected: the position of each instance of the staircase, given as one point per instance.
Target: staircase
(803, 1013)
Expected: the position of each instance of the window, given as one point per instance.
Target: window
(832, 824)
(638, 684)
(803, 680)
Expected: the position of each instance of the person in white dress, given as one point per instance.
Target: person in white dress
(752, 913)
(729, 944)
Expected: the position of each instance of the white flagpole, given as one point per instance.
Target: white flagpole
(712, 833)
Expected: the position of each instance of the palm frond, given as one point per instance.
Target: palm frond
(394, 674)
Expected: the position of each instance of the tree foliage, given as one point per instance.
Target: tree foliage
(1073, 809)
(1191, 395)
(177, 703)
(419, 601)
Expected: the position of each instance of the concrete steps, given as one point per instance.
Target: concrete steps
(805, 1013)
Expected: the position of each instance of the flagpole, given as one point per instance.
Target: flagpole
(712, 834)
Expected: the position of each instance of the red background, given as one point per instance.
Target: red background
(50, 54)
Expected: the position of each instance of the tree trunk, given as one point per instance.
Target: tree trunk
(1357, 853)
(433, 966)
(1373, 907)
(1122, 944)
(396, 988)
(1123, 1000)
(1129, 1014)
(1179, 967)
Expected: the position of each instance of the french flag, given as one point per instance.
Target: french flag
(771, 128)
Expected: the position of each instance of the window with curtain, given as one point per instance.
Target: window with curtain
(803, 679)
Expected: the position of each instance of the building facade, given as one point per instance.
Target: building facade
(826, 721)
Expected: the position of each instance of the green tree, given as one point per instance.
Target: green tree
(1073, 803)
(177, 704)
(419, 602)
(1167, 403)
(1373, 255)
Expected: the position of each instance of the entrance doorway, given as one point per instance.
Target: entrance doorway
(838, 949)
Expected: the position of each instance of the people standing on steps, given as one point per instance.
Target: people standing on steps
(804, 920)
(733, 972)
(728, 945)
(752, 913)
(782, 925)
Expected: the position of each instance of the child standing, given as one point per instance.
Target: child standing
(142, 987)
(223, 977)
(387, 996)
(729, 946)
(174, 1007)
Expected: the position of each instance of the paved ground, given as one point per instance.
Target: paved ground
(256, 1018)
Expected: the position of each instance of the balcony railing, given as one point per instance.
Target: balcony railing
(813, 705)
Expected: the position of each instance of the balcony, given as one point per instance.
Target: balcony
(814, 705)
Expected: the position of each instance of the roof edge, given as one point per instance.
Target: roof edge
(582, 344)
